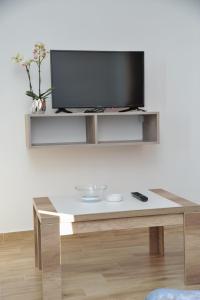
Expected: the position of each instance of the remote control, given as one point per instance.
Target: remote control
(139, 196)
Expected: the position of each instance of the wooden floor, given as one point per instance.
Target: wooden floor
(107, 266)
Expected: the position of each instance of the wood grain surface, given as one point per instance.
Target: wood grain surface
(99, 266)
(192, 247)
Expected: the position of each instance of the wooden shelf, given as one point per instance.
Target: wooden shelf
(92, 129)
(36, 145)
(133, 142)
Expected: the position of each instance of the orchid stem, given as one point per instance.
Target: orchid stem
(29, 79)
(39, 63)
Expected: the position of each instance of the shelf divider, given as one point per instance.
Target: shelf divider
(91, 129)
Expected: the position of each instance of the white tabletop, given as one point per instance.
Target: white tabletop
(73, 206)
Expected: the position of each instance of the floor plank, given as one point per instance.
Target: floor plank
(104, 266)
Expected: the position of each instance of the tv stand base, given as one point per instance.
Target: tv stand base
(131, 108)
(64, 110)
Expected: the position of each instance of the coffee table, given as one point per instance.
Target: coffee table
(56, 216)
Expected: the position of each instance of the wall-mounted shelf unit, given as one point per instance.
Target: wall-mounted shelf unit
(92, 129)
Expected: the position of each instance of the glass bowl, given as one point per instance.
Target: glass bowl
(91, 193)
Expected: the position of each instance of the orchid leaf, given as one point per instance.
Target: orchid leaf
(46, 92)
(46, 95)
(32, 95)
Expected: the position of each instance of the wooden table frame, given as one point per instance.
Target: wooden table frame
(47, 224)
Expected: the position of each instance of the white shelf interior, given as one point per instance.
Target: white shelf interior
(120, 128)
(58, 130)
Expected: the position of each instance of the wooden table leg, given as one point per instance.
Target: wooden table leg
(192, 247)
(51, 266)
(39, 244)
(156, 241)
(35, 222)
(37, 240)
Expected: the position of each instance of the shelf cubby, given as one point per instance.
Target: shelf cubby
(118, 128)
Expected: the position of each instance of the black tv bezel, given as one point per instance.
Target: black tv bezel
(79, 107)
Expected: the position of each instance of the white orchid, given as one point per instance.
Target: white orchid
(18, 58)
(39, 54)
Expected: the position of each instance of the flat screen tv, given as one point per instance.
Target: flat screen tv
(97, 79)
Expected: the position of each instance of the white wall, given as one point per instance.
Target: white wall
(169, 33)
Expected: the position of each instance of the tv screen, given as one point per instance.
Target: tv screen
(97, 79)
